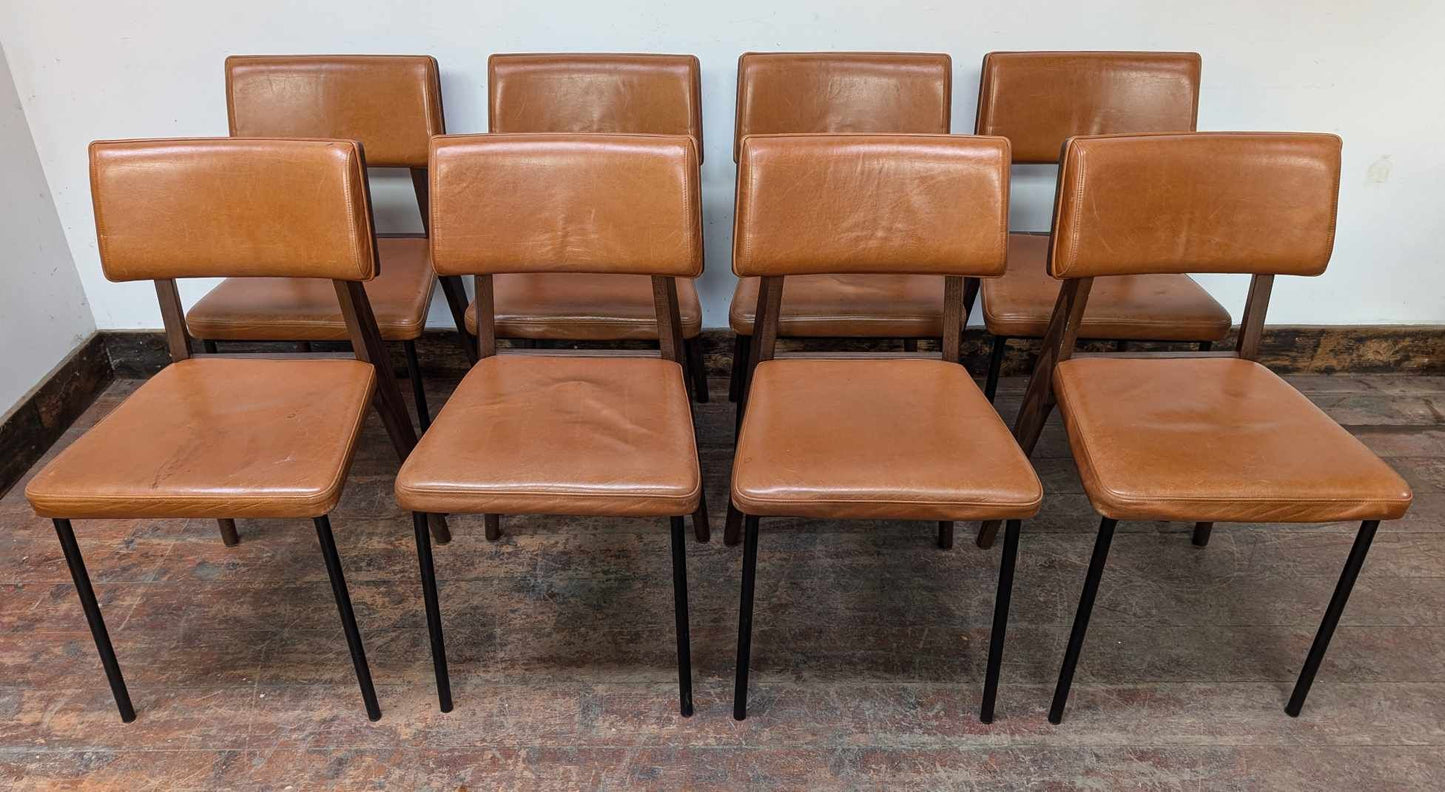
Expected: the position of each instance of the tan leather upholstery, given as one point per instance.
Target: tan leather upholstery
(306, 309)
(848, 306)
(391, 103)
(559, 435)
(1215, 440)
(1202, 202)
(231, 207)
(584, 307)
(877, 439)
(628, 94)
(803, 92)
(1164, 307)
(566, 203)
(216, 438)
(1039, 99)
(919, 204)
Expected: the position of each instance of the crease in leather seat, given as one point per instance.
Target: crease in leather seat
(597, 93)
(1148, 307)
(306, 309)
(1215, 440)
(877, 439)
(838, 92)
(216, 438)
(559, 435)
(1039, 99)
(392, 104)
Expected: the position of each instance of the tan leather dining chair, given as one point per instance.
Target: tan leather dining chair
(1199, 436)
(921, 441)
(392, 104)
(816, 92)
(606, 93)
(605, 434)
(222, 436)
(1039, 99)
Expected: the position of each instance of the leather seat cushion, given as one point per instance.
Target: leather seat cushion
(1199, 439)
(306, 309)
(877, 439)
(216, 437)
(1157, 307)
(848, 306)
(529, 434)
(584, 307)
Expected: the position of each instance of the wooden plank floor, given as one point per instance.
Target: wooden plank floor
(869, 646)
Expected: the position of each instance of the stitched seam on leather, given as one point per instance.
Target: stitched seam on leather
(1078, 212)
(889, 501)
(354, 155)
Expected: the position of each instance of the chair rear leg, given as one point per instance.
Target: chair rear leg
(1201, 533)
(945, 534)
(209, 347)
(433, 610)
(418, 390)
(493, 524)
(697, 368)
(348, 617)
(1332, 616)
(995, 365)
(1081, 619)
(229, 537)
(745, 620)
(1000, 619)
(679, 610)
(92, 615)
(742, 346)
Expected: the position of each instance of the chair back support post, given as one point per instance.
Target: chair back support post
(669, 317)
(178, 339)
(1058, 346)
(953, 317)
(486, 317)
(368, 347)
(1251, 325)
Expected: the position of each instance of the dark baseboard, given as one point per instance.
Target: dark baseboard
(38, 421)
(50, 409)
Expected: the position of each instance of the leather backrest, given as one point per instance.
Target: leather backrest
(811, 92)
(921, 204)
(624, 94)
(231, 207)
(391, 103)
(1040, 99)
(566, 203)
(1242, 202)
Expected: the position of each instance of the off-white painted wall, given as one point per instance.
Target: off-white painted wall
(43, 312)
(1367, 71)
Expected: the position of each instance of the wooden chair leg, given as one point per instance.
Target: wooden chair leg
(697, 368)
(229, 537)
(742, 345)
(995, 365)
(418, 389)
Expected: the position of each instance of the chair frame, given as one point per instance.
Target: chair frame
(669, 323)
(958, 294)
(368, 347)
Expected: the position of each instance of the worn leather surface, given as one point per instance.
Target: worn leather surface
(877, 439)
(1158, 307)
(802, 92)
(1221, 440)
(1039, 99)
(629, 94)
(306, 309)
(1244, 202)
(566, 203)
(217, 207)
(871, 204)
(581, 307)
(211, 437)
(848, 306)
(391, 103)
(559, 435)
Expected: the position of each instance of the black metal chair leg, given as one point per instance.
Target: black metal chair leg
(742, 345)
(701, 528)
(697, 368)
(910, 345)
(1201, 533)
(745, 619)
(1332, 616)
(348, 618)
(1000, 619)
(418, 390)
(92, 615)
(945, 535)
(229, 537)
(995, 365)
(733, 526)
(493, 526)
(433, 610)
(209, 347)
(1205, 346)
(679, 608)
(1081, 619)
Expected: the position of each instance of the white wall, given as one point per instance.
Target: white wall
(43, 312)
(1369, 71)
